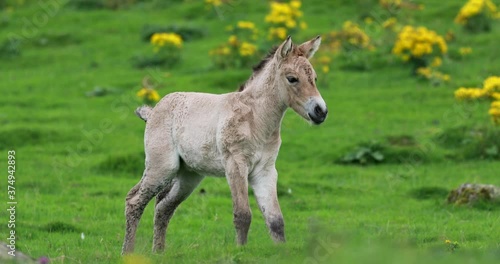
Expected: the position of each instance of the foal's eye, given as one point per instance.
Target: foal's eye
(292, 79)
(316, 79)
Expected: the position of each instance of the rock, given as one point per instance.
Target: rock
(19, 257)
(469, 193)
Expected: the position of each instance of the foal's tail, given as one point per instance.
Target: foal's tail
(143, 112)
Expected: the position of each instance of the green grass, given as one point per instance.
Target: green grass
(78, 156)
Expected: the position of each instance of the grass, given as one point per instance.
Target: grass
(78, 156)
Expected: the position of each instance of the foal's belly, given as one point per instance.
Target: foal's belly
(199, 152)
(203, 165)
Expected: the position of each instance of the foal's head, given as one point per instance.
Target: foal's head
(296, 79)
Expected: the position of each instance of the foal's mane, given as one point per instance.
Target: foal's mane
(258, 68)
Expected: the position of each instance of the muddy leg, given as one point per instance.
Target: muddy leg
(166, 204)
(237, 177)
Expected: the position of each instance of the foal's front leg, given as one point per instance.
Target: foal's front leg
(237, 177)
(264, 185)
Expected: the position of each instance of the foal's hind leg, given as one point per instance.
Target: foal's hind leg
(166, 203)
(160, 169)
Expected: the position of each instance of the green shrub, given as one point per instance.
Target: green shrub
(102, 4)
(187, 33)
(395, 150)
(10, 48)
(471, 142)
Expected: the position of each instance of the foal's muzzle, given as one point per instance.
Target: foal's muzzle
(317, 110)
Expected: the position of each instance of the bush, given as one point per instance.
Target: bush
(10, 48)
(101, 4)
(471, 142)
(186, 32)
(167, 51)
(476, 15)
(394, 150)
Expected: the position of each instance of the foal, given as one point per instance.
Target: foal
(234, 135)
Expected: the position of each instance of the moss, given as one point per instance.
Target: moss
(482, 196)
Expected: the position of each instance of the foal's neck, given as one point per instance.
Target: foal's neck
(263, 94)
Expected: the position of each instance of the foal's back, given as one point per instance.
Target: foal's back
(193, 124)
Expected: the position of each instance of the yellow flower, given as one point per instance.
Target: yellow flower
(324, 59)
(214, 2)
(162, 39)
(233, 40)
(469, 93)
(390, 4)
(290, 23)
(225, 50)
(148, 94)
(436, 62)
(142, 92)
(446, 77)
(447, 241)
(389, 23)
(247, 49)
(492, 84)
(465, 51)
(295, 4)
(325, 69)
(424, 71)
(303, 25)
(495, 112)
(368, 20)
(285, 15)
(246, 25)
(474, 8)
(277, 33)
(418, 42)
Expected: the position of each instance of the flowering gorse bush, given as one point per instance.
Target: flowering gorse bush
(420, 46)
(166, 51)
(476, 15)
(166, 41)
(284, 19)
(490, 90)
(239, 50)
(350, 37)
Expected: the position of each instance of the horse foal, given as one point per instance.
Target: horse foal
(234, 135)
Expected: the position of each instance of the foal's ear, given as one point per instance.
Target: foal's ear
(310, 47)
(286, 47)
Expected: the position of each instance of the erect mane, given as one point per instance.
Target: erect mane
(258, 68)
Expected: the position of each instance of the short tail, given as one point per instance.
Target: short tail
(143, 112)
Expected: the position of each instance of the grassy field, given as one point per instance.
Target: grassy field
(78, 156)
